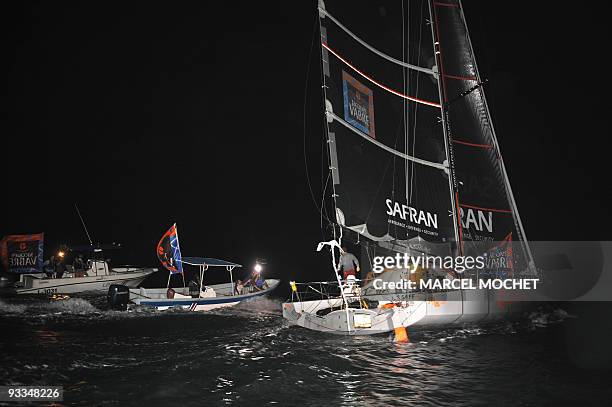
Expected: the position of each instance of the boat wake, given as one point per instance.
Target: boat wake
(542, 318)
(44, 308)
(9, 309)
(267, 306)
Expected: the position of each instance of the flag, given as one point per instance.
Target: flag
(169, 251)
(22, 253)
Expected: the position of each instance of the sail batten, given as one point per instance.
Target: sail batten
(380, 85)
(373, 49)
(381, 145)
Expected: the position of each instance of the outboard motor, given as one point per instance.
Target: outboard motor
(118, 297)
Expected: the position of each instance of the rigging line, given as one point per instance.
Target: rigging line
(382, 180)
(324, 150)
(374, 50)
(485, 209)
(323, 206)
(404, 104)
(394, 166)
(416, 108)
(83, 223)
(314, 31)
(380, 85)
(381, 145)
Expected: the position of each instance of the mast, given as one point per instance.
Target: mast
(515, 212)
(332, 158)
(330, 136)
(452, 179)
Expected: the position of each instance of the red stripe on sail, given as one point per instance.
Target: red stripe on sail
(465, 143)
(486, 209)
(380, 85)
(461, 78)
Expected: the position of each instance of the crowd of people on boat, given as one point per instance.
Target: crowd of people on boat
(55, 266)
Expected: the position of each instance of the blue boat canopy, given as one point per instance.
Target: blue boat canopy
(207, 261)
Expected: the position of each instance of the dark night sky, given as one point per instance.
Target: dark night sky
(152, 114)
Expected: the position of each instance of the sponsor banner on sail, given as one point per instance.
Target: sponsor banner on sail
(499, 260)
(420, 221)
(485, 224)
(376, 96)
(358, 105)
(383, 197)
(169, 251)
(22, 253)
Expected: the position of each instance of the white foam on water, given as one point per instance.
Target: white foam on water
(72, 306)
(261, 305)
(542, 318)
(6, 308)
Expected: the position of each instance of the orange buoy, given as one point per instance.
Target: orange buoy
(401, 335)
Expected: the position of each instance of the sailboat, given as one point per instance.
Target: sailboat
(415, 167)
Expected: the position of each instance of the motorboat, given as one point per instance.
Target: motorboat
(94, 275)
(195, 296)
(201, 297)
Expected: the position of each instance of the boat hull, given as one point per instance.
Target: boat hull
(223, 300)
(342, 322)
(74, 285)
(451, 308)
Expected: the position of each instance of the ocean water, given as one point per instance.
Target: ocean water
(249, 356)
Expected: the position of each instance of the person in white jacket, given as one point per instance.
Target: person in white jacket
(349, 264)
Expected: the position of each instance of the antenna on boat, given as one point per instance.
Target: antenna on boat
(83, 223)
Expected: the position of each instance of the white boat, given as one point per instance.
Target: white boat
(203, 297)
(196, 296)
(373, 312)
(415, 168)
(98, 277)
(55, 276)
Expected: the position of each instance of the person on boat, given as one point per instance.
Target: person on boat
(349, 265)
(239, 288)
(79, 263)
(257, 280)
(49, 267)
(194, 288)
(170, 293)
(60, 269)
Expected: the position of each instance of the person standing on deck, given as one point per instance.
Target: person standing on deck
(349, 264)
